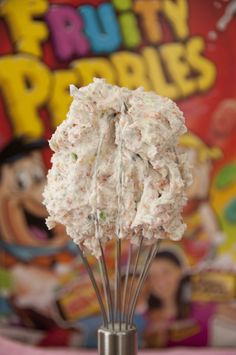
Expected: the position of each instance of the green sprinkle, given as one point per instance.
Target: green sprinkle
(102, 216)
(74, 156)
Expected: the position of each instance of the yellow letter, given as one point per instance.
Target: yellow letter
(157, 75)
(177, 13)
(148, 12)
(174, 57)
(130, 69)
(94, 67)
(26, 32)
(24, 83)
(204, 66)
(60, 98)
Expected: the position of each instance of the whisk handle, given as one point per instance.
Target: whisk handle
(117, 342)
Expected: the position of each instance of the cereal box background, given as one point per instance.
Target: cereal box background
(182, 49)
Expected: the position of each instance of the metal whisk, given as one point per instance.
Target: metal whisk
(117, 335)
(119, 176)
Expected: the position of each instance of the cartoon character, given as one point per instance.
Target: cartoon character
(183, 312)
(203, 233)
(30, 254)
(167, 300)
(23, 232)
(223, 196)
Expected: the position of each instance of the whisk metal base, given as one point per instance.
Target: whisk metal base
(117, 342)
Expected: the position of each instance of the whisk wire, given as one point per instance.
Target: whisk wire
(124, 308)
(107, 286)
(118, 283)
(104, 288)
(148, 261)
(95, 286)
(132, 280)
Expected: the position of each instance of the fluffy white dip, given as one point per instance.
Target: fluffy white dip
(115, 170)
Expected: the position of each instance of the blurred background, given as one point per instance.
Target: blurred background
(183, 49)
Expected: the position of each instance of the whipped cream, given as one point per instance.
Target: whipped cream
(116, 171)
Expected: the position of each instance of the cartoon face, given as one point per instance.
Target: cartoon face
(22, 214)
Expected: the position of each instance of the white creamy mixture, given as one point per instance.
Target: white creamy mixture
(115, 170)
